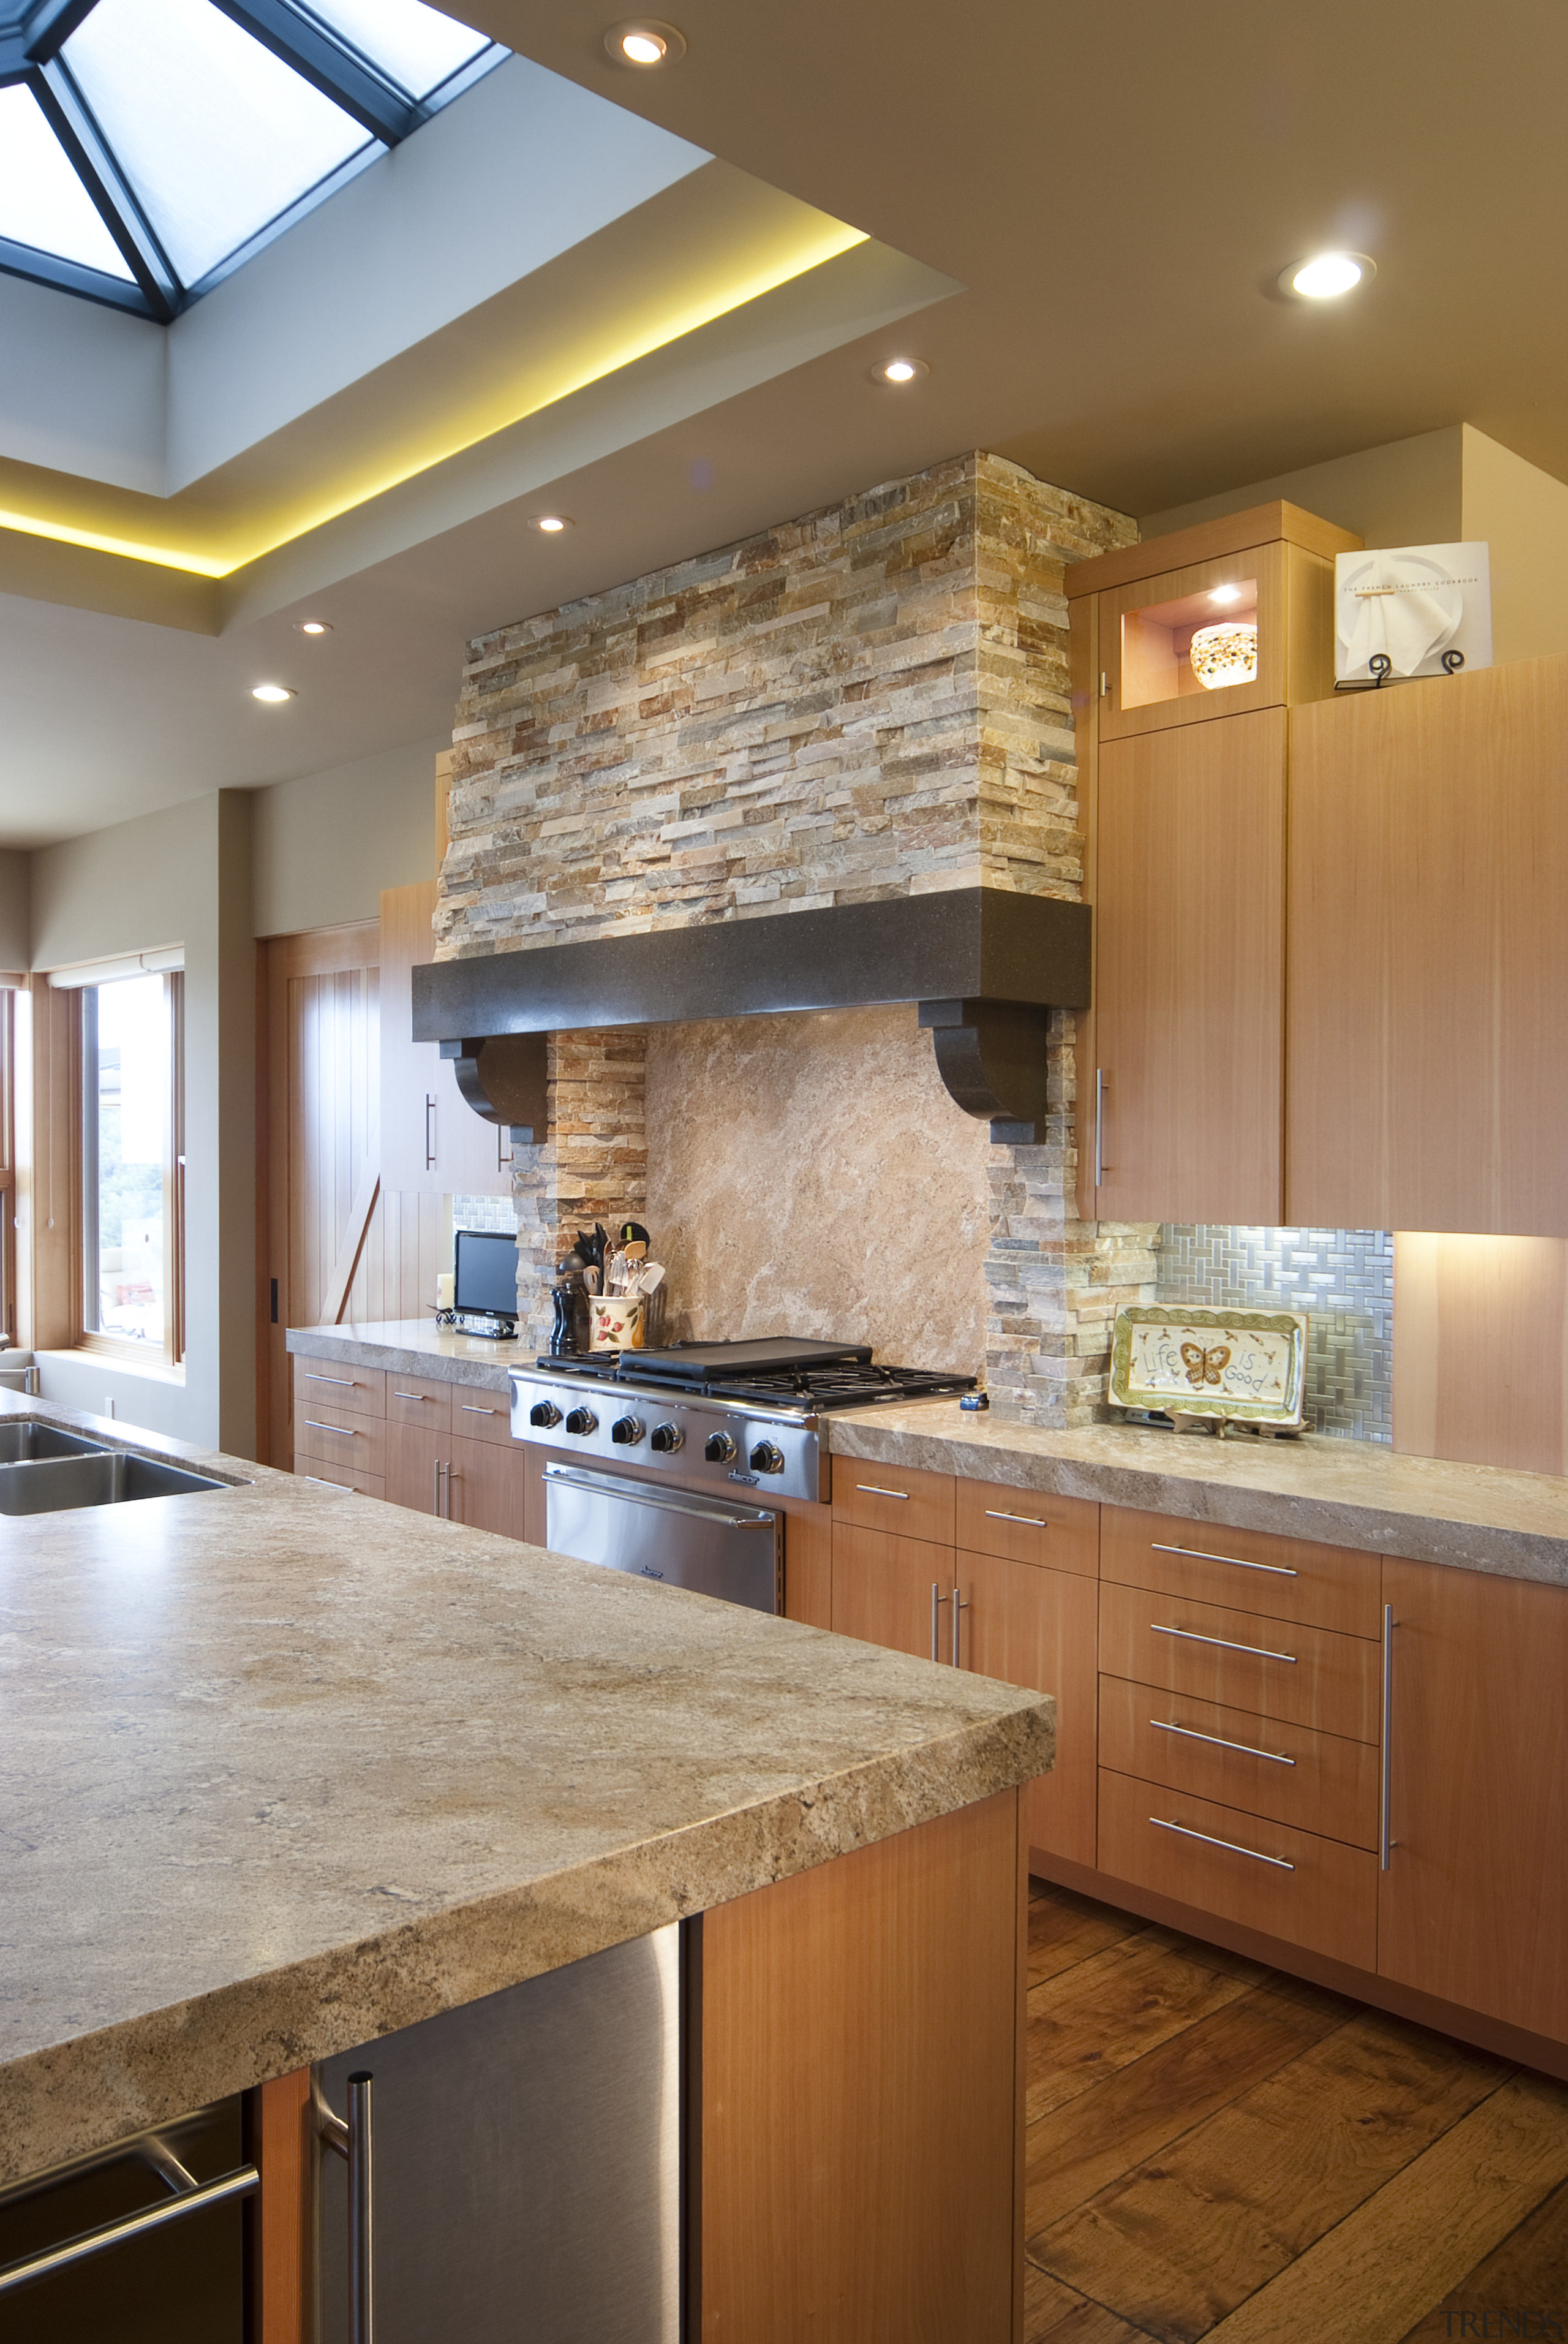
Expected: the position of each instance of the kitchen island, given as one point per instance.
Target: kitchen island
(288, 1770)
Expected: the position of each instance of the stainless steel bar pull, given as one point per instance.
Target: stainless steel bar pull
(430, 1131)
(1385, 1838)
(1236, 1562)
(959, 1607)
(352, 2138)
(1102, 1084)
(1225, 1644)
(937, 1599)
(187, 2197)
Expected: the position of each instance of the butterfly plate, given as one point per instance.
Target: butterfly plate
(1245, 1366)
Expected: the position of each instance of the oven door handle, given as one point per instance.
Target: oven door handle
(638, 1493)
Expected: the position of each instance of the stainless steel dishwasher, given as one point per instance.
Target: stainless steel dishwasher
(518, 2179)
(656, 1531)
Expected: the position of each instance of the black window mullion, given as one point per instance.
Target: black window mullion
(73, 123)
(49, 24)
(339, 72)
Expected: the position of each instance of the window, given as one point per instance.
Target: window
(133, 1166)
(7, 1165)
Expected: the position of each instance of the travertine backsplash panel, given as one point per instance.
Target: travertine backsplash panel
(809, 1176)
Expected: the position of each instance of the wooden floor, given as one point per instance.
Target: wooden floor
(1216, 2149)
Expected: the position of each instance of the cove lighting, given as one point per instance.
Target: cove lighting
(549, 524)
(1327, 275)
(898, 370)
(271, 692)
(314, 627)
(644, 41)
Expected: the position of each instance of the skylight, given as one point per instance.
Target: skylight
(164, 140)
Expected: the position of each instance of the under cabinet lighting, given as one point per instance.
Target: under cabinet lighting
(644, 41)
(1223, 594)
(898, 370)
(314, 627)
(1326, 275)
(549, 524)
(271, 692)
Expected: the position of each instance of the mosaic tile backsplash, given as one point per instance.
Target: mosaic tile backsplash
(1344, 1278)
(484, 1213)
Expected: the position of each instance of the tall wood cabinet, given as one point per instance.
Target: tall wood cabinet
(432, 1142)
(1428, 984)
(1184, 783)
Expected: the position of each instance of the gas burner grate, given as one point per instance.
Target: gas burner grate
(842, 1384)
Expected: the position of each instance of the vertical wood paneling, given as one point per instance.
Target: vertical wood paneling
(1481, 1351)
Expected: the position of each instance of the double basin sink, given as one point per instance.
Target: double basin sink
(43, 1470)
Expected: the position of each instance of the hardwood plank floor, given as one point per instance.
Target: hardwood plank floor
(1215, 2149)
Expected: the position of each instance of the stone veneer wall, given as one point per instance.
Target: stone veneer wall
(872, 701)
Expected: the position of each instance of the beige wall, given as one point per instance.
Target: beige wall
(1522, 514)
(14, 910)
(327, 845)
(181, 876)
(1406, 492)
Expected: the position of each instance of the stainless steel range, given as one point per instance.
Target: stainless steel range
(712, 1423)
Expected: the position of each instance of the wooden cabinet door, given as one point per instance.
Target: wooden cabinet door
(1429, 956)
(432, 1142)
(1474, 1907)
(890, 1590)
(1189, 975)
(485, 1486)
(1032, 1626)
(411, 1476)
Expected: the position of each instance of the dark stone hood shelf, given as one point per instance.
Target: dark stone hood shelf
(984, 966)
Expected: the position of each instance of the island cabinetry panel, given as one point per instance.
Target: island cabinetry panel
(903, 1500)
(861, 2153)
(1183, 1119)
(432, 1142)
(1322, 1783)
(1311, 1891)
(1287, 1578)
(1473, 1905)
(1428, 872)
(1032, 1626)
(358, 1444)
(896, 1592)
(357, 1392)
(1241, 1660)
(1028, 1525)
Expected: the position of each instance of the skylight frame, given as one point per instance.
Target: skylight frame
(30, 53)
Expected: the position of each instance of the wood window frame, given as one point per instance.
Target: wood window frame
(169, 1357)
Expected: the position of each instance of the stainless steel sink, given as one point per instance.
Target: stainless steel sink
(23, 1438)
(96, 1477)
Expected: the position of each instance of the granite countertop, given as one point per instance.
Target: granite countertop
(415, 1347)
(287, 1769)
(1352, 1493)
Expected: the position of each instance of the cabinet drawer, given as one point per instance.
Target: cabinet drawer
(341, 1477)
(1241, 1660)
(362, 1391)
(1288, 1579)
(1321, 1783)
(1311, 1892)
(481, 1415)
(904, 1501)
(1027, 1526)
(358, 1444)
(419, 1400)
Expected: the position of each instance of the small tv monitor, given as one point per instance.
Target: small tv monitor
(486, 1273)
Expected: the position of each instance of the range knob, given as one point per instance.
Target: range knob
(544, 1413)
(666, 1438)
(626, 1431)
(582, 1420)
(719, 1448)
(766, 1457)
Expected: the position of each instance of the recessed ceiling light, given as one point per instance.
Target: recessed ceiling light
(644, 41)
(1225, 594)
(551, 524)
(314, 626)
(1327, 275)
(898, 370)
(271, 692)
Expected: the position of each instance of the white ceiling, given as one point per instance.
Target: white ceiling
(1112, 192)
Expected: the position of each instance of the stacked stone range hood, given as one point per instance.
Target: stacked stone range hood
(829, 769)
(984, 967)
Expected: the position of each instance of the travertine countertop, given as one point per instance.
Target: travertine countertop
(1345, 1493)
(415, 1347)
(284, 1769)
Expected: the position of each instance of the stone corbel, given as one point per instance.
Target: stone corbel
(504, 1078)
(991, 1054)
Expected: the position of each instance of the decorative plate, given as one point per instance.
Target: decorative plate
(1249, 1366)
